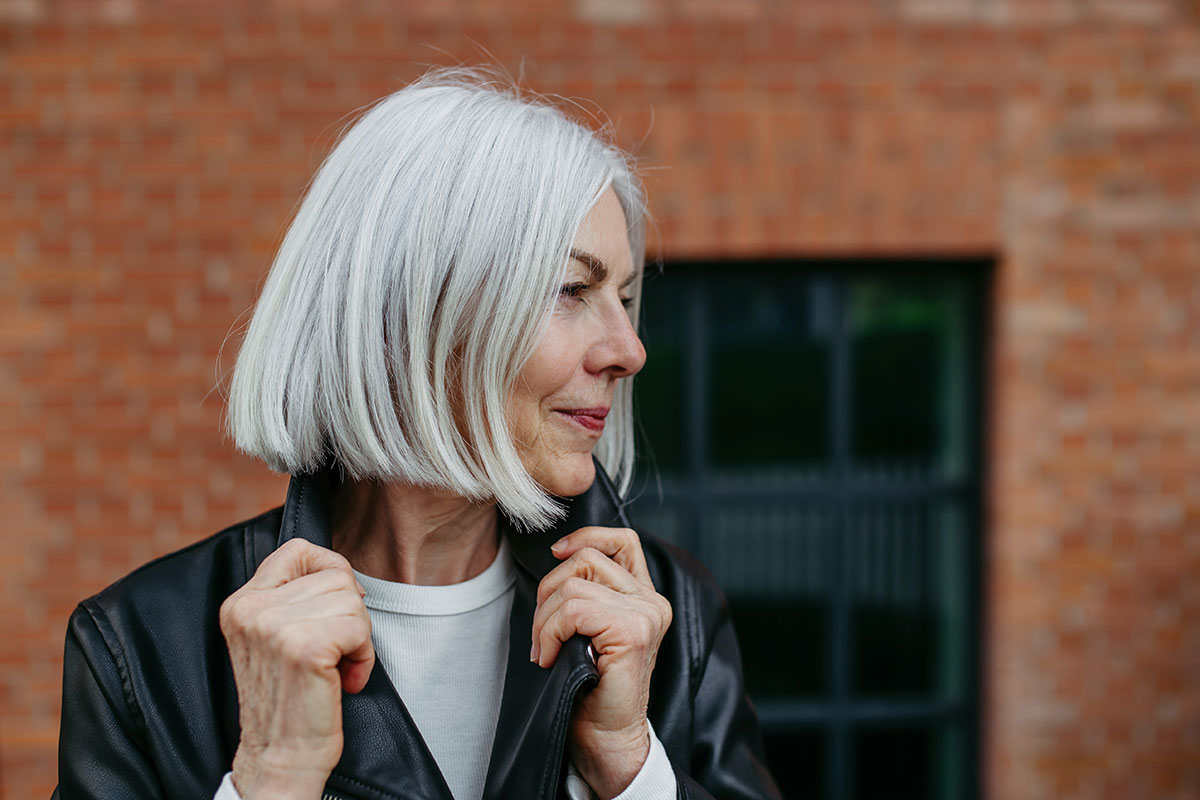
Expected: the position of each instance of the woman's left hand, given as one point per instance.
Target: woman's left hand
(603, 591)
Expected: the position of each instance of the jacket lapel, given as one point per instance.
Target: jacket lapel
(528, 755)
(384, 754)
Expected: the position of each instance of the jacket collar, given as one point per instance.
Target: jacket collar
(384, 755)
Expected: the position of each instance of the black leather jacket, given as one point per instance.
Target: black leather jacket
(150, 705)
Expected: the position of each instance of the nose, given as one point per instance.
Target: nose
(619, 350)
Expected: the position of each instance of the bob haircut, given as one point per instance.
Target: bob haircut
(414, 282)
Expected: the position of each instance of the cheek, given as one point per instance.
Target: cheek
(550, 368)
(540, 379)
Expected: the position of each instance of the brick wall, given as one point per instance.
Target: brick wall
(150, 153)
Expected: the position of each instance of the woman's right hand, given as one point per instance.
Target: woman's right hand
(298, 633)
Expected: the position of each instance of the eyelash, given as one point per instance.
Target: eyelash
(576, 291)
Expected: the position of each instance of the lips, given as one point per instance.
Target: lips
(590, 419)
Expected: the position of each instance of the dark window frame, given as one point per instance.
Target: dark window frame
(841, 715)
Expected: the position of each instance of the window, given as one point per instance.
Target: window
(812, 431)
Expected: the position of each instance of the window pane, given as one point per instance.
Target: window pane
(783, 645)
(909, 360)
(799, 761)
(908, 763)
(893, 763)
(907, 584)
(773, 565)
(659, 389)
(769, 379)
(663, 521)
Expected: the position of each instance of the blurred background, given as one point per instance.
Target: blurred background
(924, 376)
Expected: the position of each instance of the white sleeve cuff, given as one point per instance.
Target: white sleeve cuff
(654, 781)
(227, 791)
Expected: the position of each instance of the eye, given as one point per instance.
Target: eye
(627, 302)
(574, 291)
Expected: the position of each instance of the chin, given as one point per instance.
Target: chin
(572, 477)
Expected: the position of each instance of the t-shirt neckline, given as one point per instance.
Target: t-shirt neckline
(454, 598)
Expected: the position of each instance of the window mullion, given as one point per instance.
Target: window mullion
(697, 398)
(841, 548)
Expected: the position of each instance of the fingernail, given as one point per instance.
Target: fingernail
(533, 653)
(559, 545)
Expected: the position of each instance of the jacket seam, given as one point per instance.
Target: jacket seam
(565, 699)
(117, 654)
(681, 792)
(248, 551)
(341, 776)
(296, 510)
(705, 648)
(695, 657)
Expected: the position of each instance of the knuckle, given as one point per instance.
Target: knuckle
(588, 555)
(294, 547)
(645, 628)
(237, 613)
(344, 579)
(589, 559)
(575, 586)
(227, 615)
(574, 607)
(266, 624)
(665, 610)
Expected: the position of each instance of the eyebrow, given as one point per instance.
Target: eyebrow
(597, 270)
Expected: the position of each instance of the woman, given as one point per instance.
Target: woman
(440, 358)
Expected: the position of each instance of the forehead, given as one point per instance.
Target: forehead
(604, 235)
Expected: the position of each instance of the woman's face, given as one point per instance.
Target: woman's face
(557, 408)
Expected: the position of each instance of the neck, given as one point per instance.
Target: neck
(413, 534)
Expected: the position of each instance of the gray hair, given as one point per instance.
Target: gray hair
(414, 282)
